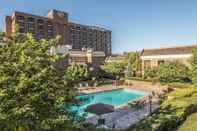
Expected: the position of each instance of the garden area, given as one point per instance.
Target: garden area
(178, 107)
(33, 87)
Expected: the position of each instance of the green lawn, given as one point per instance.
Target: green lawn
(171, 111)
(190, 124)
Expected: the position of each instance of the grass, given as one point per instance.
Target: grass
(171, 112)
(190, 124)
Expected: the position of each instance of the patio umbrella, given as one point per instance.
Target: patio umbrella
(99, 109)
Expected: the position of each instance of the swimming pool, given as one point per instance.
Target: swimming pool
(113, 97)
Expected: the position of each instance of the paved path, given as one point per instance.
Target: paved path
(123, 118)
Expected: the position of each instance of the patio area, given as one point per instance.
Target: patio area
(137, 85)
(123, 118)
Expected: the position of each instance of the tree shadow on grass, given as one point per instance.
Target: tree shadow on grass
(163, 119)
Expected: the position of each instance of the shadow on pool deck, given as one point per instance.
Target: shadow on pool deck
(123, 118)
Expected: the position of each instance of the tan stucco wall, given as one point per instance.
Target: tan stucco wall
(154, 62)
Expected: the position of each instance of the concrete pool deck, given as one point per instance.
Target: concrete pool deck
(123, 118)
(137, 85)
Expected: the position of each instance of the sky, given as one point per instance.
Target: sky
(135, 24)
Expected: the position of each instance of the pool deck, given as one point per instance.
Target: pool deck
(137, 85)
(124, 115)
(123, 118)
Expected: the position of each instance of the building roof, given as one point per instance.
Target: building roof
(74, 53)
(169, 50)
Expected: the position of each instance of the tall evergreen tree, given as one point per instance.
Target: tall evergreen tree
(128, 71)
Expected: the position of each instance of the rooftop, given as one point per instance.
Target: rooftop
(169, 50)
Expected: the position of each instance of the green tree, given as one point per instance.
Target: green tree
(32, 87)
(2, 37)
(194, 66)
(151, 73)
(134, 59)
(113, 69)
(76, 72)
(173, 71)
(128, 71)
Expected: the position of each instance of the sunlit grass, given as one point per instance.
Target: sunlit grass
(190, 124)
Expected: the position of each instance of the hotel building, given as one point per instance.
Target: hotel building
(56, 23)
(154, 57)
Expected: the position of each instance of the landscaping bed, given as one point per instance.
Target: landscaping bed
(190, 124)
(174, 109)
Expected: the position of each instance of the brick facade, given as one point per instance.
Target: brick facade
(56, 23)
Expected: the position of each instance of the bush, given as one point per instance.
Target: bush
(150, 73)
(194, 66)
(132, 59)
(77, 72)
(173, 71)
(112, 70)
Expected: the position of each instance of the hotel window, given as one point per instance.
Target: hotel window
(21, 23)
(160, 62)
(147, 64)
(49, 30)
(31, 25)
(40, 27)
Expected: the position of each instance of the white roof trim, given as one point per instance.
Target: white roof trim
(178, 56)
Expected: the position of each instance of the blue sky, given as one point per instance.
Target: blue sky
(135, 24)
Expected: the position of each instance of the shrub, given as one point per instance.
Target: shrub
(194, 66)
(150, 73)
(77, 72)
(113, 70)
(132, 58)
(173, 71)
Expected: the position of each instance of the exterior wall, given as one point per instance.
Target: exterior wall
(82, 36)
(157, 59)
(89, 57)
(78, 60)
(40, 27)
(97, 61)
(8, 29)
(56, 23)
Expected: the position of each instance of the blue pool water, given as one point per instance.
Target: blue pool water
(113, 97)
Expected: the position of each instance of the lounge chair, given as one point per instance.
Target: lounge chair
(86, 84)
(80, 85)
